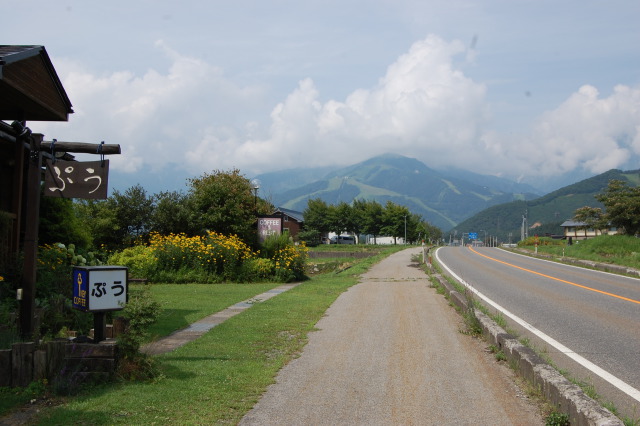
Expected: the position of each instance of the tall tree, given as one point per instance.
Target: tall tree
(317, 216)
(135, 211)
(394, 218)
(59, 223)
(224, 202)
(622, 204)
(373, 219)
(173, 214)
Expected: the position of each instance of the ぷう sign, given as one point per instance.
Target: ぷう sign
(99, 288)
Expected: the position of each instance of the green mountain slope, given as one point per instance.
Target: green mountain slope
(441, 199)
(544, 214)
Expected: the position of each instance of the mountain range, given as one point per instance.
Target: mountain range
(453, 200)
(444, 199)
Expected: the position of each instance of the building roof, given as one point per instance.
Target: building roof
(291, 213)
(29, 86)
(572, 223)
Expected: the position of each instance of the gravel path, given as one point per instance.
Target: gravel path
(389, 351)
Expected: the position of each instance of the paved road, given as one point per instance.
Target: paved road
(592, 314)
(389, 352)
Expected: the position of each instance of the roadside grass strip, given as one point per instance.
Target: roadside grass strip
(220, 376)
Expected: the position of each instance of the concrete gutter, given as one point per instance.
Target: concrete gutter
(567, 397)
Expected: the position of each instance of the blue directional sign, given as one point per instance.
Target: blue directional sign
(473, 235)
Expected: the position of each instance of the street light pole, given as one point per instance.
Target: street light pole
(255, 184)
(405, 229)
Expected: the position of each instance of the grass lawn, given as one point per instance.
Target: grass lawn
(183, 304)
(617, 249)
(219, 377)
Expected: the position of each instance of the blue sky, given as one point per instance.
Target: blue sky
(529, 90)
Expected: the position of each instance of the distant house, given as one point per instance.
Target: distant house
(280, 221)
(577, 230)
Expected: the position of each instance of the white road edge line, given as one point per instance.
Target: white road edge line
(624, 387)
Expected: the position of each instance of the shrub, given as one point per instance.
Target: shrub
(257, 269)
(140, 312)
(140, 260)
(541, 241)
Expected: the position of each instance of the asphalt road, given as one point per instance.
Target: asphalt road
(593, 314)
(389, 352)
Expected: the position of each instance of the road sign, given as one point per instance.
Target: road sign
(473, 235)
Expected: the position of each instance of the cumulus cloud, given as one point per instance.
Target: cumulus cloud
(586, 132)
(423, 107)
(155, 117)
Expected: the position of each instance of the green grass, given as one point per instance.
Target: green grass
(617, 249)
(183, 304)
(219, 377)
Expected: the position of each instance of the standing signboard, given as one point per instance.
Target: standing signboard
(99, 289)
(269, 226)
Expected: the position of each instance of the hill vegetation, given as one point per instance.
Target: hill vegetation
(544, 214)
(441, 199)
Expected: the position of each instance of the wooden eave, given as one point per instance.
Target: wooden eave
(30, 89)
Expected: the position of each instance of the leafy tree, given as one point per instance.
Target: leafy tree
(102, 219)
(224, 202)
(317, 216)
(173, 213)
(135, 210)
(59, 223)
(394, 217)
(622, 204)
(592, 217)
(341, 218)
(373, 219)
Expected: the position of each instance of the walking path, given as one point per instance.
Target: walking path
(389, 352)
(198, 328)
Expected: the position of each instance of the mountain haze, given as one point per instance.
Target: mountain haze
(440, 198)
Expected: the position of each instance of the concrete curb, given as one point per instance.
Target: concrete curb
(560, 392)
(605, 267)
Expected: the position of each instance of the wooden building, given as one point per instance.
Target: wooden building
(30, 90)
(579, 231)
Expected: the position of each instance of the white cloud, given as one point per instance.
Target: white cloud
(423, 106)
(586, 132)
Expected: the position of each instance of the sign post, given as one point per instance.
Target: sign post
(99, 289)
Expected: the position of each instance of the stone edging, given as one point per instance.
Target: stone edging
(560, 392)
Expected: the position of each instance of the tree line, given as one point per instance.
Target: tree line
(222, 202)
(365, 217)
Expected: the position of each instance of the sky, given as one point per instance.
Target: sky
(530, 90)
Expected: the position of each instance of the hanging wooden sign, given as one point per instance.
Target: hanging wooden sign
(76, 179)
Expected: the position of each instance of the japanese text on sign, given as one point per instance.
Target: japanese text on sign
(74, 179)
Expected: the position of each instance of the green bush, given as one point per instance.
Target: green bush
(140, 260)
(541, 241)
(140, 312)
(258, 269)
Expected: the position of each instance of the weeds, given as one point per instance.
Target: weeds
(557, 419)
(497, 353)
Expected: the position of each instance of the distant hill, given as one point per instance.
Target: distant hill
(546, 213)
(441, 198)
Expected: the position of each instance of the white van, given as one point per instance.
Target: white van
(342, 239)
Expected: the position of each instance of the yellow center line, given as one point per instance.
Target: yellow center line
(557, 279)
